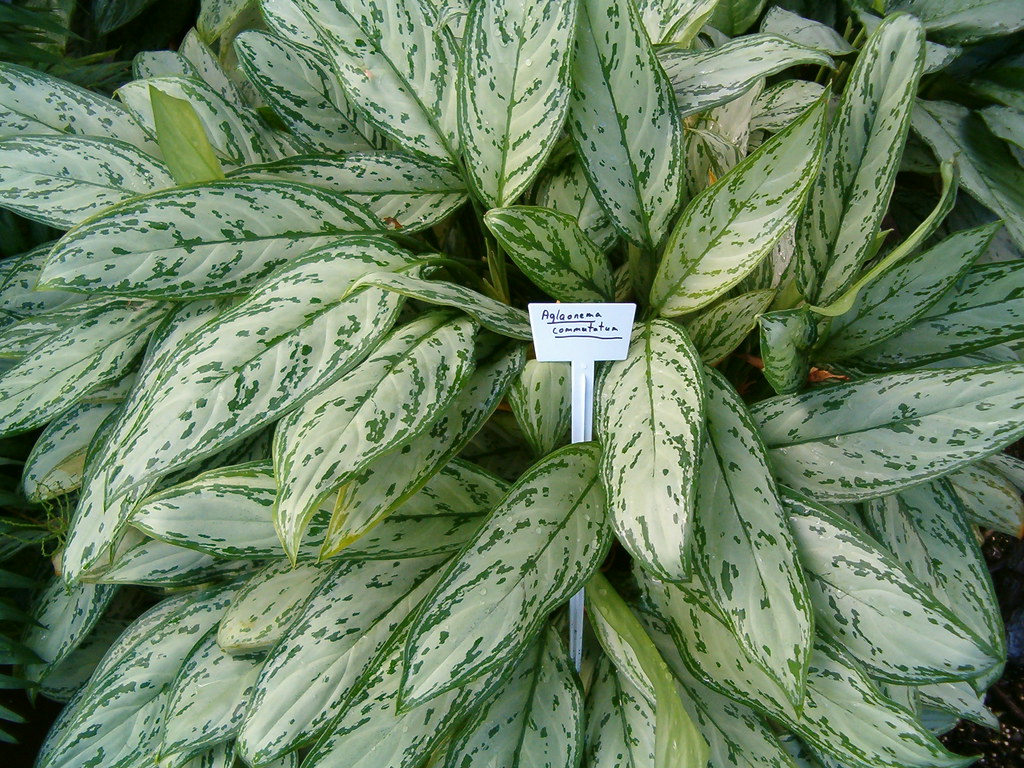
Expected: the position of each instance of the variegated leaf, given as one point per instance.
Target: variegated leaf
(566, 190)
(926, 529)
(388, 481)
(535, 718)
(837, 231)
(303, 92)
(556, 511)
(405, 192)
(373, 730)
(265, 606)
(34, 103)
(960, 700)
(223, 756)
(878, 610)
(779, 105)
(551, 249)
(787, 337)
(257, 360)
(216, 239)
(395, 67)
(730, 227)
(18, 297)
(632, 164)
(57, 462)
(206, 701)
(747, 557)
(721, 328)
(1005, 123)
(410, 380)
(217, 17)
(735, 16)
(963, 21)
(620, 722)
(62, 180)
(807, 32)
(308, 677)
(202, 61)
(490, 313)
(876, 436)
(69, 677)
(650, 420)
(514, 92)
(540, 400)
(936, 57)
(989, 497)
(116, 721)
(674, 21)
(158, 564)
(705, 79)
(985, 308)
(237, 135)
(894, 301)
(98, 348)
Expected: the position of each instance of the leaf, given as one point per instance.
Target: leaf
(620, 721)
(880, 613)
(674, 21)
(551, 249)
(158, 564)
(514, 92)
(385, 401)
(395, 69)
(535, 718)
(491, 314)
(63, 180)
(787, 338)
(988, 497)
(959, 700)
(677, 741)
(869, 438)
(373, 493)
(807, 32)
(111, 14)
(734, 16)
(264, 356)
(963, 21)
(540, 400)
(18, 297)
(566, 190)
(217, 239)
(747, 556)
(1005, 123)
(556, 509)
(730, 227)
(649, 420)
(206, 701)
(405, 192)
(182, 140)
(985, 308)
(632, 164)
(97, 349)
(115, 722)
(38, 104)
(780, 104)
(267, 604)
(837, 230)
(719, 330)
(705, 79)
(299, 86)
(309, 676)
(217, 17)
(895, 300)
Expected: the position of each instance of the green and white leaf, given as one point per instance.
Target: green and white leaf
(18, 297)
(674, 21)
(650, 420)
(787, 338)
(410, 380)
(806, 32)
(721, 328)
(218, 17)
(735, 16)
(960, 700)
(551, 249)
(623, 122)
(216, 239)
(540, 400)
(780, 104)
(936, 56)
(481, 617)
(895, 300)
(405, 192)
(729, 228)
(989, 498)
(159, 564)
(876, 436)
(307, 678)
(1005, 123)
(620, 721)
(535, 718)
(266, 605)
(837, 231)
(879, 611)
(207, 700)
(747, 558)
(514, 92)
(62, 180)
(566, 190)
(705, 79)
(490, 313)
(265, 355)
(963, 21)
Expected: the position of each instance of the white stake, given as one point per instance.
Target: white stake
(581, 334)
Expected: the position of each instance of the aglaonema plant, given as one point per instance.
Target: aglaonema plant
(281, 367)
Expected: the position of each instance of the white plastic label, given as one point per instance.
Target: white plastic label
(566, 332)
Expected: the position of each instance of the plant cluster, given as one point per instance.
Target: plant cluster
(323, 510)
